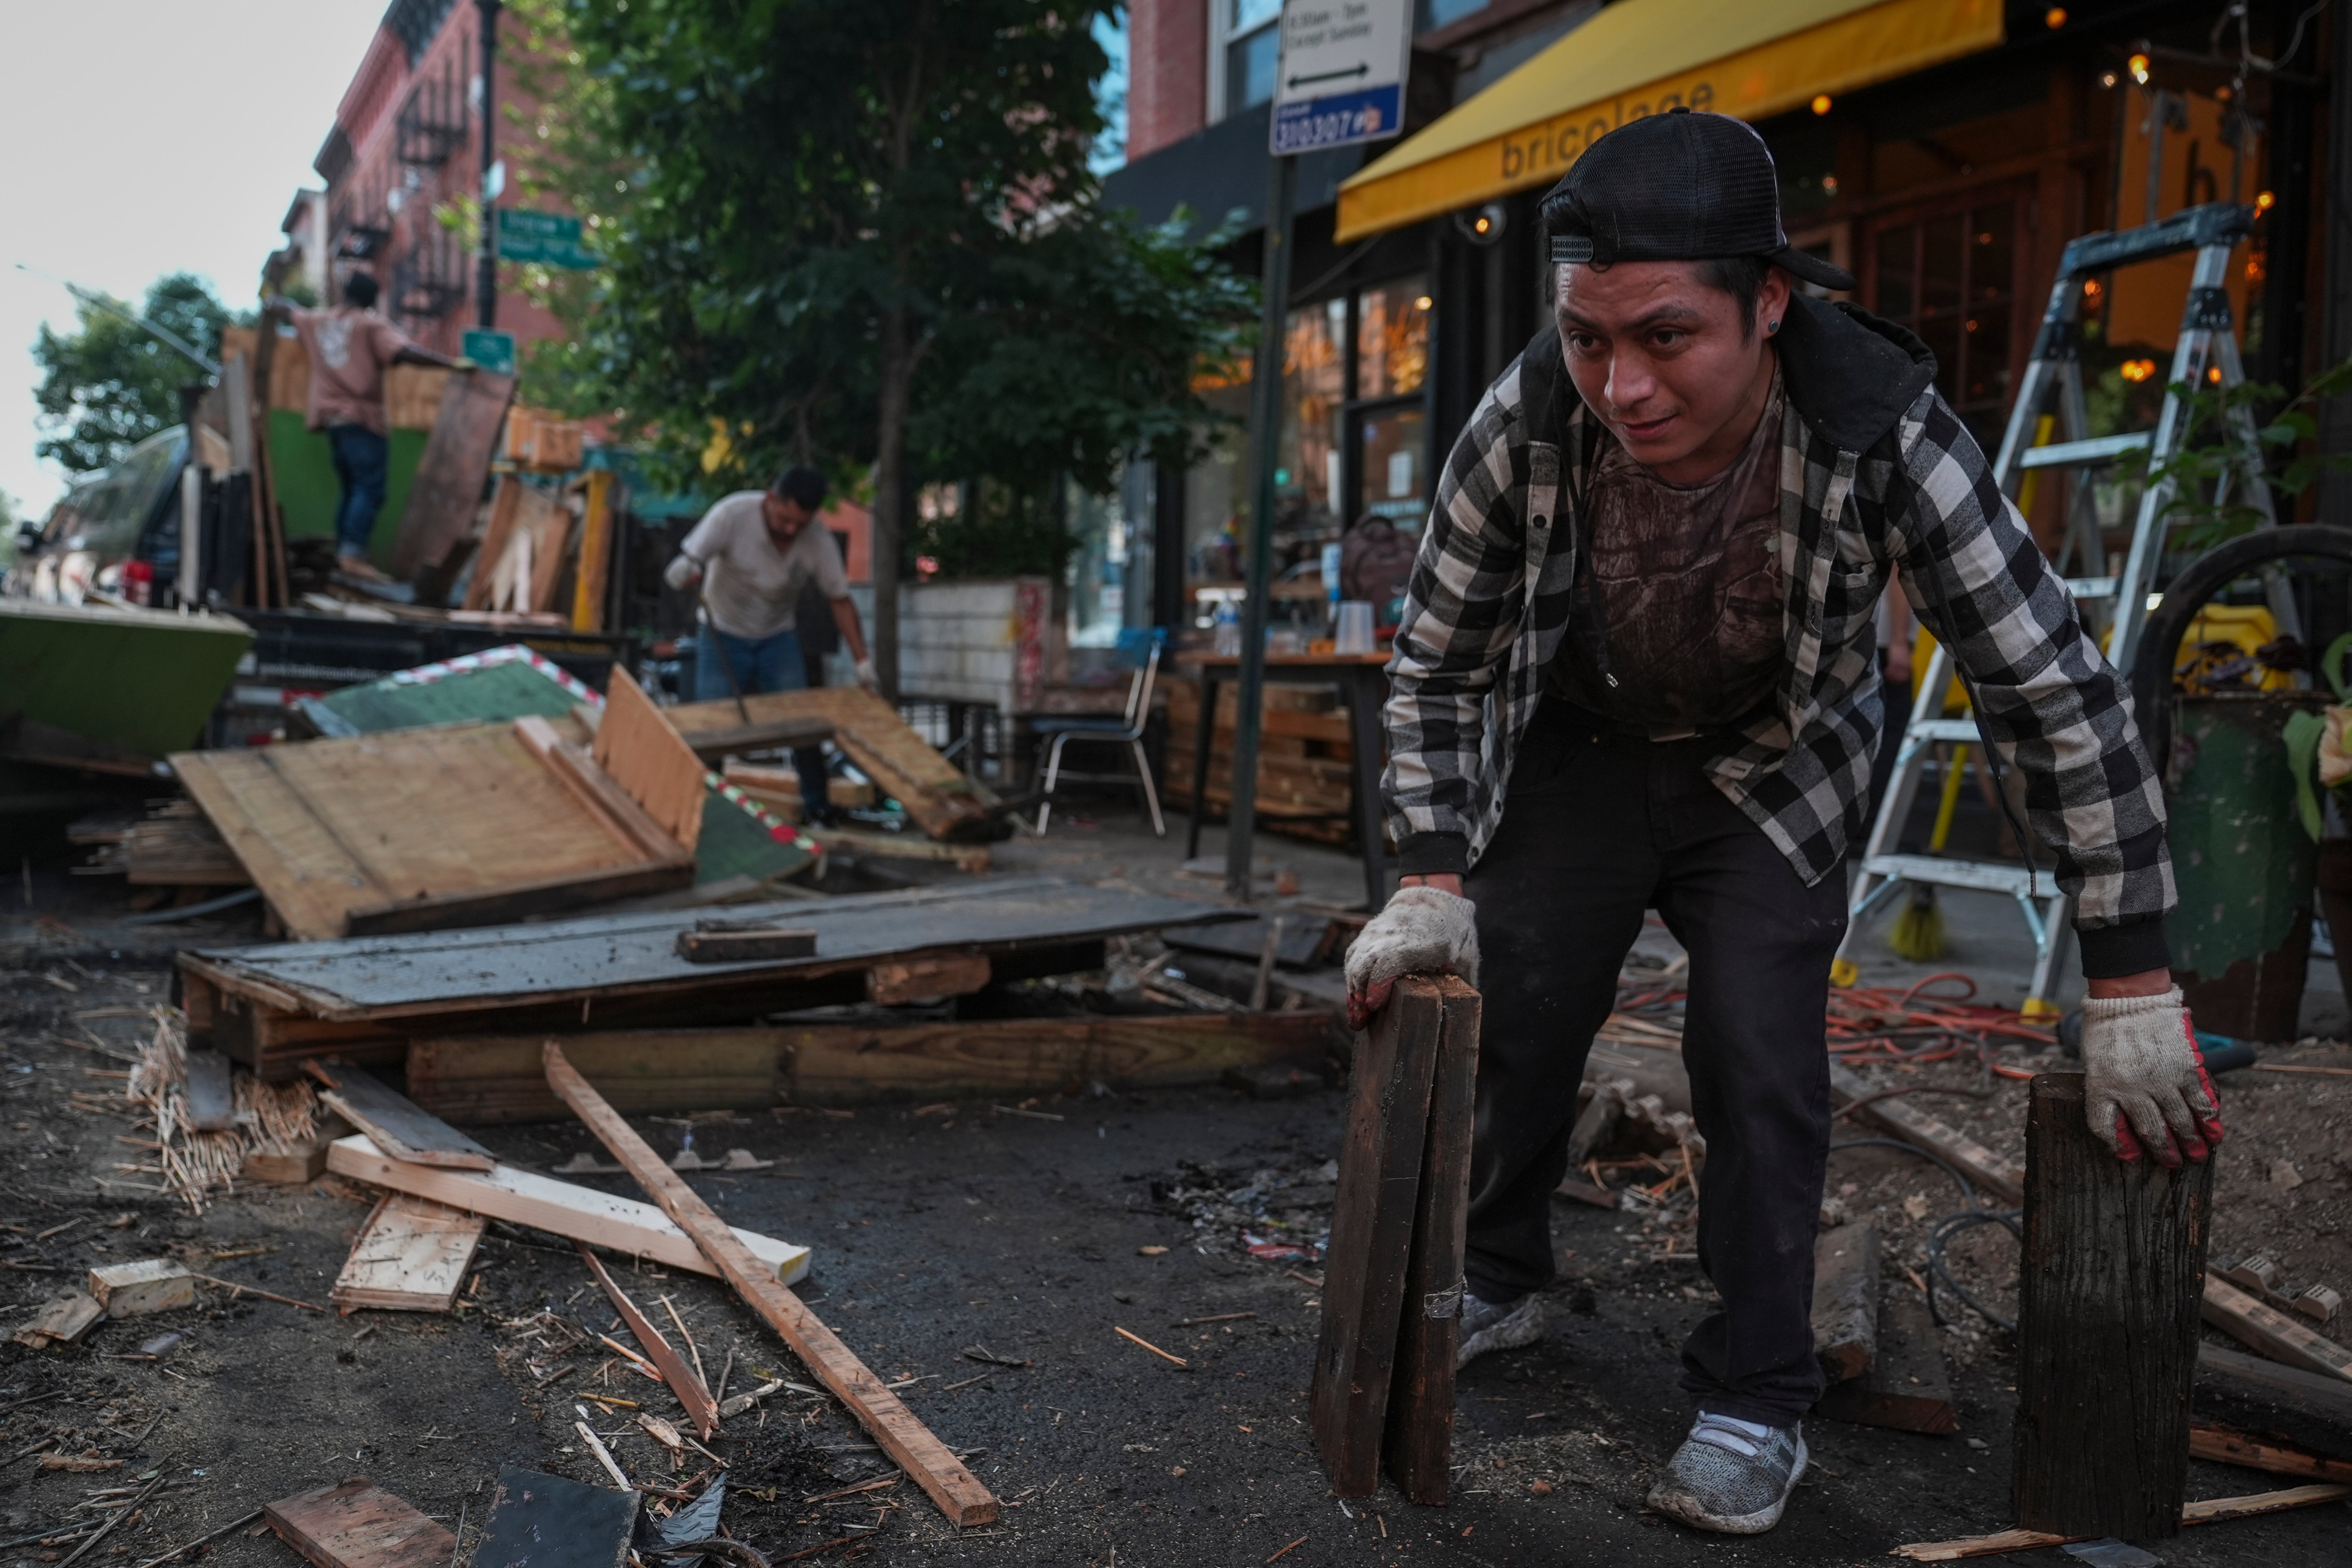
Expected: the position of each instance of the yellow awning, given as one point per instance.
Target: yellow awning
(1745, 57)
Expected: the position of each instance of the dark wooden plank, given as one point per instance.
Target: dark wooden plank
(359, 1525)
(1906, 1388)
(777, 734)
(451, 472)
(489, 1079)
(395, 1124)
(737, 941)
(212, 1099)
(2111, 1275)
(700, 1408)
(1371, 1233)
(1845, 1299)
(546, 1522)
(2321, 1395)
(1419, 1439)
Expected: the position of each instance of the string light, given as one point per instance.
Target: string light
(2136, 370)
(1821, 103)
(2138, 66)
(2107, 78)
(2054, 17)
(2264, 202)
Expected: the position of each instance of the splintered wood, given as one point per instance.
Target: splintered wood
(411, 1256)
(270, 1119)
(650, 760)
(906, 1439)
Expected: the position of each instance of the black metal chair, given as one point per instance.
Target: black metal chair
(1126, 731)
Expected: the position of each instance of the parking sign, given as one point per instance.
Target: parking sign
(1342, 73)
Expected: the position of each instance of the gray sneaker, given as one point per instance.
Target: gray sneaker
(1731, 1477)
(1493, 1326)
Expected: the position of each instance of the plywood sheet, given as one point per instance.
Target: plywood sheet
(450, 474)
(360, 1525)
(651, 759)
(338, 833)
(410, 1257)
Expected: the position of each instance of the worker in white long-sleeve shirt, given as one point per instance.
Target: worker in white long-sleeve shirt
(751, 553)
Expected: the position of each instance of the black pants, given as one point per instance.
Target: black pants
(1598, 828)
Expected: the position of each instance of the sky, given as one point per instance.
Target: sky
(146, 137)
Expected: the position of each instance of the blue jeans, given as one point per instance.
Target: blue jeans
(362, 460)
(758, 665)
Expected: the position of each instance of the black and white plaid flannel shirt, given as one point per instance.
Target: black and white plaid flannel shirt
(1877, 474)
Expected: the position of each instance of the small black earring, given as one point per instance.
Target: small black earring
(1771, 326)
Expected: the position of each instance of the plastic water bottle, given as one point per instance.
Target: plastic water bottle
(1228, 625)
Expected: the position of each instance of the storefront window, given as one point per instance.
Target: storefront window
(1392, 339)
(1308, 476)
(1096, 576)
(1952, 277)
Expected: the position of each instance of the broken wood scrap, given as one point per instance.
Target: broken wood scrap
(648, 757)
(2005, 1179)
(394, 1123)
(181, 848)
(1845, 1299)
(954, 1489)
(288, 1167)
(714, 941)
(2225, 1446)
(775, 735)
(625, 1226)
(2271, 1332)
(360, 1525)
(1906, 1387)
(598, 791)
(539, 1518)
(700, 1408)
(2321, 1395)
(943, 803)
(927, 978)
(149, 1285)
(447, 486)
(411, 1256)
(62, 1321)
(2212, 1511)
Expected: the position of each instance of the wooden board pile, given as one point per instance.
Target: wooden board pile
(1305, 760)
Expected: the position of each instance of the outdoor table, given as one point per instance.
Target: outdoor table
(1363, 680)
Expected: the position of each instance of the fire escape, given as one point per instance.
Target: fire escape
(430, 276)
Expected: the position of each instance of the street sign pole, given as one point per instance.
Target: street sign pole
(1265, 430)
(487, 282)
(1340, 82)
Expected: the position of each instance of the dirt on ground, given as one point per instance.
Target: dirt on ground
(1182, 1217)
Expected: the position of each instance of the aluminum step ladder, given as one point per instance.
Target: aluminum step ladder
(2118, 603)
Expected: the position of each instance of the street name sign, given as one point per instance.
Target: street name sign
(1342, 71)
(549, 238)
(492, 350)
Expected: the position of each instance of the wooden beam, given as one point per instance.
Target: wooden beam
(1845, 1299)
(394, 1123)
(2224, 1447)
(2106, 1328)
(650, 760)
(700, 1408)
(1418, 1439)
(2322, 1395)
(2212, 1511)
(1906, 1387)
(896, 981)
(1381, 1157)
(2271, 1332)
(560, 1208)
(906, 1439)
(2005, 1179)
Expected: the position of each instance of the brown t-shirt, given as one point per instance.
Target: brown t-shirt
(1688, 582)
(348, 350)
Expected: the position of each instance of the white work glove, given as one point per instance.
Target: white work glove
(867, 677)
(1422, 930)
(2144, 1075)
(682, 572)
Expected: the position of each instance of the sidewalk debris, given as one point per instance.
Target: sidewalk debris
(411, 1256)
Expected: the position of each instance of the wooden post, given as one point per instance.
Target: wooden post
(1381, 1155)
(1420, 1437)
(2107, 1328)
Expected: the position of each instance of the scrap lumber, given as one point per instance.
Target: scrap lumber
(272, 1005)
(2271, 1332)
(177, 847)
(2106, 1328)
(772, 735)
(893, 981)
(483, 1079)
(716, 941)
(2322, 1395)
(1845, 1299)
(857, 845)
(62, 1321)
(447, 487)
(1906, 1387)
(1382, 1152)
(778, 788)
(955, 1490)
(305, 1162)
(2005, 1179)
(394, 1123)
(943, 803)
(547, 1519)
(650, 760)
(149, 1285)
(700, 1408)
(2224, 1447)
(598, 791)
(624, 1226)
(410, 1257)
(415, 830)
(506, 506)
(1418, 1438)
(360, 1525)
(2213, 1511)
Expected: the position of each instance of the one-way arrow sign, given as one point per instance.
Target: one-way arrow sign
(1366, 44)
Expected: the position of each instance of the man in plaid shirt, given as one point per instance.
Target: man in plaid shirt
(1637, 669)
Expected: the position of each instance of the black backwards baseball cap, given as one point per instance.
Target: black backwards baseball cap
(1677, 186)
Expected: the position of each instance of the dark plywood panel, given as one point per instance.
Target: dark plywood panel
(456, 463)
(546, 1522)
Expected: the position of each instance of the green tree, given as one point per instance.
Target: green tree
(111, 384)
(868, 235)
